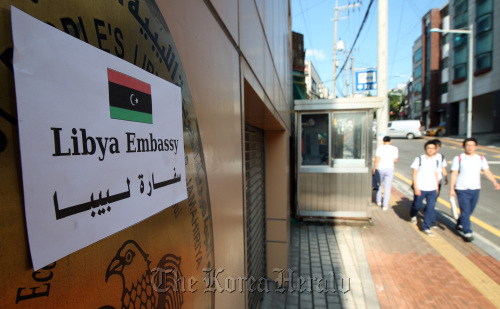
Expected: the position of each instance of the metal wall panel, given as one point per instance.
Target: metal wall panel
(255, 210)
(334, 194)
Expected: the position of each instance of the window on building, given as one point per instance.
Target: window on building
(444, 39)
(418, 106)
(313, 86)
(461, 14)
(417, 89)
(484, 34)
(460, 20)
(443, 63)
(418, 55)
(443, 88)
(418, 72)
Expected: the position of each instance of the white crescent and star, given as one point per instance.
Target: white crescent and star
(134, 100)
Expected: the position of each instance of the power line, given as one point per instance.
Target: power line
(307, 32)
(357, 36)
(318, 3)
(397, 37)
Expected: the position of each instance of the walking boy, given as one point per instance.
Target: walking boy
(425, 185)
(442, 174)
(466, 182)
(385, 157)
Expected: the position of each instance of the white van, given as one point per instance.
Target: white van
(409, 129)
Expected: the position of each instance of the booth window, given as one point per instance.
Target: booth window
(348, 140)
(315, 139)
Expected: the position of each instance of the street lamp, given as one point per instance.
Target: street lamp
(470, 32)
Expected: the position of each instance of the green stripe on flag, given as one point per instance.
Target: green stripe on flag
(125, 114)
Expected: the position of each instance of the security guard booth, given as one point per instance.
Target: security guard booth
(334, 157)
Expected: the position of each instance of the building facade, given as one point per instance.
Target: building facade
(315, 87)
(416, 88)
(232, 62)
(433, 111)
(483, 14)
(444, 74)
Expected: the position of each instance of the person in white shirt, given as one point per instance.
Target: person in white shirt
(425, 185)
(385, 157)
(465, 183)
(442, 174)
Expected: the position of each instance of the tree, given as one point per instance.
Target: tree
(395, 99)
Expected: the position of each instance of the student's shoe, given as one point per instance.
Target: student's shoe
(434, 226)
(385, 208)
(429, 233)
(379, 204)
(458, 227)
(413, 220)
(468, 237)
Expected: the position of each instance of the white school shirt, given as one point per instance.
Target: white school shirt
(426, 175)
(469, 171)
(387, 154)
(442, 163)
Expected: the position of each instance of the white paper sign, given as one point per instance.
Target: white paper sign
(101, 140)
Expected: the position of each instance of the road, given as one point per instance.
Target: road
(486, 217)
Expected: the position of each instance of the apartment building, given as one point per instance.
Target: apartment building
(484, 15)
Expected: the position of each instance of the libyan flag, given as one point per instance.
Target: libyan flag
(129, 98)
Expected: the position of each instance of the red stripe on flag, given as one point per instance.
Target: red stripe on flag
(127, 81)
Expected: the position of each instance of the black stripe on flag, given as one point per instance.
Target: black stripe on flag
(129, 98)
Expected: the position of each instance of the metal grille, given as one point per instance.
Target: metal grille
(255, 216)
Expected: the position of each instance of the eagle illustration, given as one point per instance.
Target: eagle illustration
(143, 287)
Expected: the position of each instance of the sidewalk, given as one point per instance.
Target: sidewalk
(388, 263)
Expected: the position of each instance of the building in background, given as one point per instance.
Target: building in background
(486, 73)
(298, 66)
(416, 94)
(440, 68)
(315, 87)
(433, 110)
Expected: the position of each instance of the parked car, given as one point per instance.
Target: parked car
(409, 129)
(440, 130)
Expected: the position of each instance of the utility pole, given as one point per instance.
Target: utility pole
(334, 49)
(382, 113)
(346, 76)
(352, 76)
(337, 9)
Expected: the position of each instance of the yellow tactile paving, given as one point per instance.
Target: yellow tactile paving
(482, 224)
(481, 281)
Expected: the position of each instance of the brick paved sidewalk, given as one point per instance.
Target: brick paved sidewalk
(413, 270)
(388, 263)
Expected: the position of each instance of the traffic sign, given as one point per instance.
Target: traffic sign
(366, 80)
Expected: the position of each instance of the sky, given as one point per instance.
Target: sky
(314, 19)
